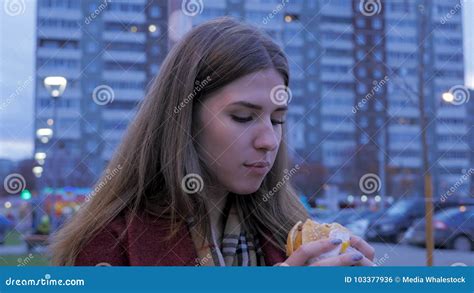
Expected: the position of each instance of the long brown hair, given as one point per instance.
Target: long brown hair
(157, 151)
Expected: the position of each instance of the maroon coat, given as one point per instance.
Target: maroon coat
(144, 245)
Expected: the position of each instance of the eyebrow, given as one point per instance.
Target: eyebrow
(257, 107)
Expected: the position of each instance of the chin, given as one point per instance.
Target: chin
(246, 187)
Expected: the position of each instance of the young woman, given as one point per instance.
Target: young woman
(200, 177)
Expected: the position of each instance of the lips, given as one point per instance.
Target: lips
(260, 164)
(258, 168)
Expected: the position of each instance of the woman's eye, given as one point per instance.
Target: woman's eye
(249, 118)
(275, 122)
(241, 119)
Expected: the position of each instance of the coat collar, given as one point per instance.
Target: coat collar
(147, 247)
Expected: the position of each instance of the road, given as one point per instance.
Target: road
(408, 255)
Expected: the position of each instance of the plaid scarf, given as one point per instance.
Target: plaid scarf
(238, 248)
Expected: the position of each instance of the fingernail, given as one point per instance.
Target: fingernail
(357, 257)
(336, 241)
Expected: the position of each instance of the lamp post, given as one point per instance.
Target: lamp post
(448, 97)
(44, 134)
(55, 85)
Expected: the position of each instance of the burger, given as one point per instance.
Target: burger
(310, 230)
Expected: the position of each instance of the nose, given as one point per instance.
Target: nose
(267, 138)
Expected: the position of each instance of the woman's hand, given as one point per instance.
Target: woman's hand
(365, 248)
(362, 255)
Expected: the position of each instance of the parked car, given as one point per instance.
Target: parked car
(452, 228)
(392, 225)
(356, 220)
(361, 225)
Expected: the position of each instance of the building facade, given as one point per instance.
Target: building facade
(354, 81)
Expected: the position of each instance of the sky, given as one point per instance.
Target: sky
(17, 57)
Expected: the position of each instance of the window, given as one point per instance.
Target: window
(155, 11)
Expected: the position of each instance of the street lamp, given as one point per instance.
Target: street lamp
(448, 97)
(37, 170)
(55, 86)
(39, 157)
(44, 134)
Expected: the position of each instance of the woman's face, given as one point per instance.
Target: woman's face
(239, 131)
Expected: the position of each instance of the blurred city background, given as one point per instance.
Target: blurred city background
(362, 127)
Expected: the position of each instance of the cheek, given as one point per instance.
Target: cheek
(224, 149)
(226, 144)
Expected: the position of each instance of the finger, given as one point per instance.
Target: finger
(362, 246)
(365, 262)
(311, 250)
(348, 259)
